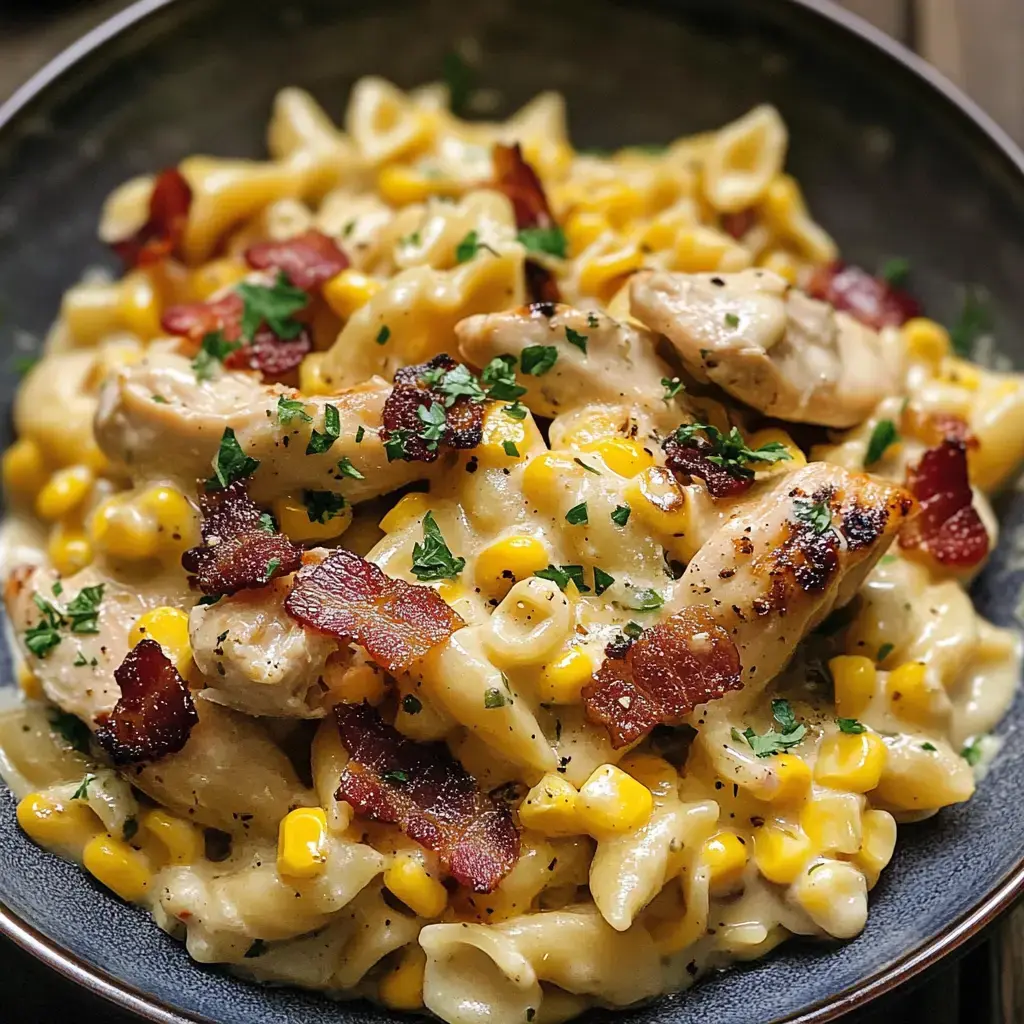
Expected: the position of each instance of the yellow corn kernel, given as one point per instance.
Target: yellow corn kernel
(400, 185)
(877, 843)
(834, 895)
(509, 560)
(311, 377)
(177, 522)
(653, 771)
(169, 628)
(69, 549)
(699, 249)
(910, 696)
(350, 290)
(500, 430)
(781, 262)
(139, 305)
(408, 879)
(410, 508)
(855, 679)
(353, 684)
(181, 839)
(622, 456)
(726, 857)
(24, 469)
(29, 683)
(789, 781)
(118, 866)
(68, 824)
(212, 277)
(543, 472)
(561, 680)
(302, 843)
(762, 437)
(601, 275)
(611, 801)
(551, 806)
(925, 339)
(659, 502)
(850, 761)
(121, 531)
(402, 987)
(64, 492)
(780, 851)
(582, 228)
(961, 373)
(832, 821)
(293, 519)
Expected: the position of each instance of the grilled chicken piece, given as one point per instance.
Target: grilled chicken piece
(160, 423)
(229, 775)
(256, 658)
(770, 345)
(619, 367)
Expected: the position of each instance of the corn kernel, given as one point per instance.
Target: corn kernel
(600, 275)
(210, 278)
(408, 879)
(353, 684)
(311, 376)
(855, 679)
(653, 771)
(610, 801)
(402, 988)
(69, 549)
(781, 262)
(122, 531)
(139, 305)
(544, 472)
(562, 680)
(293, 518)
(702, 249)
(29, 683)
(584, 227)
(176, 520)
(68, 824)
(726, 856)
(169, 628)
(350, 290)
(910, 696)
(659, 502)
(181, 839)
(118, 866)
(509, 560)
(400, 185)
(302, 843)
(410, 508)
(621, 456)
(962, 373)
(772, 435)
(877, 843)
(550, 807)
(789, 781)
(832, 821)
(24, 469)
(499, 430)
(64, 492)
(834, 895)
(780, 851)
(850, 761)
(926, 340)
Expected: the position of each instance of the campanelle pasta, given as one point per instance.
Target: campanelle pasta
(568, 613)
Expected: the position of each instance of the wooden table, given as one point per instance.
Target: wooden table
(979, 44)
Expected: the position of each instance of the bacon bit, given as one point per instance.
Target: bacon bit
(464, 418)
(351, 599)
(308, 260)
(948, 526)
(870, 300)
(237, 551)
(685, 661)
(932, 428)
(429, 795)
(154, 714)
(739, 223)
(689, 459)
(161, 235)
(541, 285)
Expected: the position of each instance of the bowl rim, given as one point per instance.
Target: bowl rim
(1001, 897)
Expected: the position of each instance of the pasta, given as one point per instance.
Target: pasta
(555, 564)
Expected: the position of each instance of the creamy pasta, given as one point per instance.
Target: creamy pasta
(480, 575)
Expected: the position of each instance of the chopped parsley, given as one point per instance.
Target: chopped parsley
(536, 360)
(469, 247)
(882, 436)
(499, 375)
(322, 506)
(549, 241)
(360, 433)
(633, 630)
(213, 350)
(58, 588)
(41, 638)
(883, 652)
(130, 828)
(394, 446)
(395, 775)
(345, 468)
(602, 581)
(975, 320)
(645, 600)
(383, 334)
(929, 747)
(850, 726)
(159, 399)
(773, 742)
(577, 515)
(72, 730)
(433, 560)
(289, 409)
(434, 423)
(515, 411)
(84, 610)
(456, 383)
(620, 515)
(413, 238)
(730, 451)
(82, 793)
(589, 469)
(895, 271)
(273, 565)
(511, 450)
(672, 386)
(592, 320)
(563, 575)
(275, 306)
(577, 339)
(815, 514)
(411, 704)
(732, 320)
(972, 751)
(494, 698)
(321, 441)
(267, 524)
(230, 463)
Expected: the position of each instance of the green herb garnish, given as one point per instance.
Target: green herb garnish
(494, 698)
(536, 360)
(672, 386)
(321, 441)
(577, 515)
(345, 468)
(289, 409)
(577, 339)
(230, 463)
(322, 506)
(882, 436)
(815, 514)
(773, 742)
(383, 335)
(730, 451)
(275, 306)
(602, 581)
(620, 515)
(213, 350)
(433, 560)
(550, 241)
(850, 725)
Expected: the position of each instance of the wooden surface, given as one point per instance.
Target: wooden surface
(979, 44)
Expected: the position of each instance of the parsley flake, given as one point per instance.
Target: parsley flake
(130, 828)
(82, 793)
(589, 469)
(83, 612)
(577, 515)
(815, 514)
(360, 433)
(230, 463)
(41, 638)
(322, 506)
(434, 423)
(633, 630)
(773, 742)
(275, 306)
(213, 350)
(289, 409)
(882, 436)
(536, 360)
(459, 382)
(267, 524)
(732, 320)
(515, 411)
(563, 575)
(345, 468)
(602, 581)
(411, 704)
(549, 241)
(511, 449)
(383, 335)
(394, 446)
(321, 441)
(883, 652)
(499, 375)
(433, 560)
(494, 698)
(620, 515)
(470, 246)
(72, 730)
(672, 386)
(850, 726)
(396, 775)
(644, 599)
(929, 747)
(577, 339)
(972, 751)
(730, 451)
(273, 565)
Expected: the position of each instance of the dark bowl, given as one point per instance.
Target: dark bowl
(894, 161)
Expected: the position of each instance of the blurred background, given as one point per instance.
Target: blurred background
(979, 44)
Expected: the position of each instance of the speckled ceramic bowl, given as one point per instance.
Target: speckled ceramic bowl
(894, 162)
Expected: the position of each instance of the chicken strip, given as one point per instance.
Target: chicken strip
(770, 345)
(160, 423)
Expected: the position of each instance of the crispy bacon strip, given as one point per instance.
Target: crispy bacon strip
(672, 668)
(871, 300)
(689, 458)
(238, 551)
(351, 599)
(162, 233)
(154, 714)
(429, 795)
(948, 526)
(308, 260)
(464, 418)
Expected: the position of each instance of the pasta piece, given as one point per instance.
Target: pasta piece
(743, 158)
